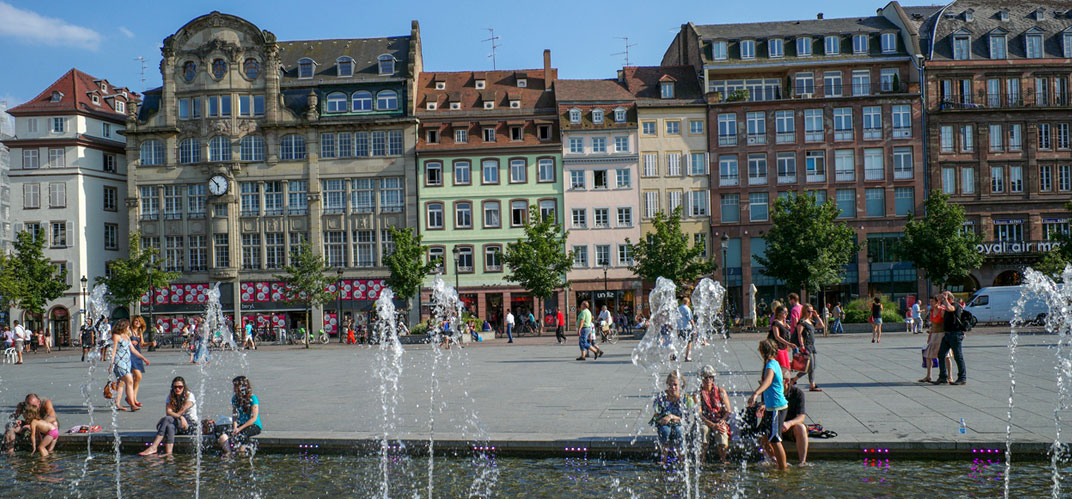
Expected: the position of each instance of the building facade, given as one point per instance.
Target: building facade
(599, 168)
(998, 112)
(254, 146)
(68, 168)
(488, 150)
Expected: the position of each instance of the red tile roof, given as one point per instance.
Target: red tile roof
(591, 90)
(500, 87)
(76, 89)
(643, 82)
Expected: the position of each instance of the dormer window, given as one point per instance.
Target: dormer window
(515, 104)
(56, 96)
(454, 106)
(804, 46)
(597, 116)
(860, 44)
(480, 84)
(104, 87)
(522, 82)
(969, 15)
(431, 105)
(775, 47)
(96, 100)
(305, 68)
(961, 46)
(574, 116)
(889, 43)
(1003, 15)
(489, 104)
(748, 49)
(718, 50)
(387, 64)
(1066, 43)
(998, 46)
(336, 102)
(619, 115)
(120, 106)
(832, 45)
(345, 66)
(1040, 14)
(666, 90)
(1033, 45)
(440, 85)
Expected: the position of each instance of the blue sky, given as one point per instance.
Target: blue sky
(39, 41)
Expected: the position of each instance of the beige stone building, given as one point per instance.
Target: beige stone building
(253, 145)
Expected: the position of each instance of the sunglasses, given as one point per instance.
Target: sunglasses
(177, 387)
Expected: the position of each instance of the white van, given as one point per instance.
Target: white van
(994, 304)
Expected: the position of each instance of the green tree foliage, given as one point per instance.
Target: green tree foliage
(666, 253)
(806, 245)
(406, 263)
(539, 261)
(307, 279)
(133, 276)
(1054, 261)
(28, 280)
(937, 245)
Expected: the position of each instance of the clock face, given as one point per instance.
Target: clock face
(217, 185)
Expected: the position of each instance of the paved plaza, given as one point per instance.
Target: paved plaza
(534, 390)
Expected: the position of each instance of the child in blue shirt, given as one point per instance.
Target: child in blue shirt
(771, 389)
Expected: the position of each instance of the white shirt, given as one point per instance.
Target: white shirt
(106, 331)
(192, 411)
(510, 318)
(604, 316)
(20, 333)
(915, 309)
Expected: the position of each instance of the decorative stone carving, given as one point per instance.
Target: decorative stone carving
(332, 223)
(273, 225)
(299, 223)
(363, 222)
(219, 127)
(313, 197)
(131, 202)
(249, 225)
(217, 45)
(197, 227)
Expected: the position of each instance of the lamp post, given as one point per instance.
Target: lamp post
(606, 290)
(338, 302)
(725, 243)
(457, 253)
(85, 310)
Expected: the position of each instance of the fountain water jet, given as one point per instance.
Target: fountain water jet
(389, 373)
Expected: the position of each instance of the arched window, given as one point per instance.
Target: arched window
(190, 151)
(152, 153)
(346, 67)
(219, 69)
(252, 148)
(189, 71)
(336, 102)
(292, 147)
(252, 68)
(387, 64)
(305, 68)
(386, 100)
(362, 101)
(219, 149)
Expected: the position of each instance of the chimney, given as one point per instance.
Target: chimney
(819, 16)
(548, 78)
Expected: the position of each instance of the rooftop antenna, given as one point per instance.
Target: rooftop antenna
(492, 38)
(626, 51)
(142, 61)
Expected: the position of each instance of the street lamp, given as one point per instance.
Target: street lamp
(606, 290)
(85, 310)
(457, 253)
(338, 302)
(725, 243)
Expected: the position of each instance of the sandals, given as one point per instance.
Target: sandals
(815, 389)
(925, 380)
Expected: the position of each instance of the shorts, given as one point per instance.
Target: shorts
(54, 433)
(584, 344)
(720, 439)
(772, 424)
(876, 320)
(20, 345)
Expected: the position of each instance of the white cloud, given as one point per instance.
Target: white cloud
(127, 32)
(33, 28)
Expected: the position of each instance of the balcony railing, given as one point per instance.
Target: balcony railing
(1004, 100)
(814, 90)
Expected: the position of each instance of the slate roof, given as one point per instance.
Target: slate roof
(500, 87)
(1058, 17)
(77, 88)
(591, 90)
(787, 29)
(643, 83)
(325, 53)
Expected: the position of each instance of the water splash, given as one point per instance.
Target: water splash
(660, 343)
(446, 309)
(389, 373)
(96, 308)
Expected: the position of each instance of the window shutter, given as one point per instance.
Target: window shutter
(70, 234)
(18, 228)
(688, 204)
(706, 163)
(688, 164)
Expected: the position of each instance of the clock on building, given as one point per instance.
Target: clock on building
(217, 185)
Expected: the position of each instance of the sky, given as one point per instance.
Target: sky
(41, 40)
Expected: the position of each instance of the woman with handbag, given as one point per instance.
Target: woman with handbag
(779, 334)
(180, 416)
(119, 356)
(804, 337)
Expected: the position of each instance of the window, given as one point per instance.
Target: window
(757, 207)
(673, 127)
(904, 201)
(728, 174)
(860, 44)
(111, 199)
(462, 173)
(108, 162)
(748, 49)
(1062, 136)
(58, 124)
(625, 217)
(998, 47)
(251, 148)
(189, 71)
(889, 80)
(335, 248)
(111, 236)
(432, 136)
(57, 195)
(57, 157)
(844, 165)
(492, 214)
(1009, 230)
(697, 203)
(274, 254)
(787, 167)
(651, 164)
(433, 173)
(1015, 142)
(1051, 227)
(757, 128)
(337, 102)
(673, 200)
(574, 116)
(597, 116)
(872, 122)
(576, 145)
(902, 121)
(31, 125)
(784, 127)
(651, 203)
(297, 203)
(292, 147)
(219, 106)
(846, 203)
(493, 258)
(31, 195)
(622, 178)
(361, 101)
(386, 64)
(516, 133)
(946, 138)
(996, 134)
(599, 179)
(59, 234)
(873, 168)
(861, 82)
(621, 143)
(902, 163)
(579, 218)
(961, 47)
(949, 181)
(152, 153)
(730, 205)
(889, 43)
(386, 100)
(519, 211)
(219, 149)
(362, 195)
(832, 45)
(1016, 179)
(625, 255)
(775, 48)
(489, 135)
(673, 164)
(251, 199)
(805, 84)
(601, 218)
(647, 128)
(718, 50)
(967, 180)
(518, 171)
(434, 213)
(391, 195)
(464, 259)
(843, 123)
(599, 144)
(364, 248)
(30, 158)
(757, 169)
(436, 255)
(173, 196)
(804, 46)
(490, 168)
(1043, 137)
(576, 179)
(832, 83)
(327, 145)
(545, 170)
(106, 129)
(1064, 177)
(813, 125)
(580, 256)
(967, 139)
(150, 203)
(698, 163)
(727, 129)
(816, 166)
(1045, 178)
(875, 202)
(251, 251)
(1033, 46)
(602, 255)
(379, 143)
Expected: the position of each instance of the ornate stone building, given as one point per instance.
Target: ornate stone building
(253, 146)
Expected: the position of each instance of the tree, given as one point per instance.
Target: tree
(539, 261)
(666, 253)
(806, 246)
(29, 280)
(307, 281)
(406, 263)
(1060, 255)
(936, 243)
(135, 275)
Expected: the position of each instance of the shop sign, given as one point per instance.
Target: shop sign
(605, 295)
(1016, 247)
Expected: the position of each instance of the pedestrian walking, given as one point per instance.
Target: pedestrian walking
(686, 327)
(917, 318)
(560, 324)
(952, 340)
(795, 310)
(804, 338)
(876, 321)
(20, 339)
(510, 326)
(837, 314)
(584, 333)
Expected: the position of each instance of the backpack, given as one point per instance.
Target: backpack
(964, 320)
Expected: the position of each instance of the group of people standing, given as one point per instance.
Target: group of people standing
(945, 339)
(792, 331)
(24, 339)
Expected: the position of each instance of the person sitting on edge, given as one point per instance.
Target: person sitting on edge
(180, 416)
(794, 428)
(669, 415)
(246, 422)
(43, 408)
(715, 412)
(40, 429)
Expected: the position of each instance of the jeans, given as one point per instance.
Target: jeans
(168, 426)
(952, 341)
(559, 334)
(510, 331)
(837, 329)
(669, 434)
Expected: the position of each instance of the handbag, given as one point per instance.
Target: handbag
(800, 361)
(110, 389)
(934, 360)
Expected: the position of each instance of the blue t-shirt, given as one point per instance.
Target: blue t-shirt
(686, 317)
(773, 397)
(249, 329)
(243, 416)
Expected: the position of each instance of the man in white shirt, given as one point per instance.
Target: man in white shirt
(917, 318)
(21, 335)
(509, 326)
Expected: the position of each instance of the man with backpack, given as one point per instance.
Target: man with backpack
(957, 321)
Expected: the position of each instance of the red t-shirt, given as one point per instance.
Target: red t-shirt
(560, 319)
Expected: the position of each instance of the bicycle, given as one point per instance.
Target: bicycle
(527, 329)
(320, 336)
(609, 334)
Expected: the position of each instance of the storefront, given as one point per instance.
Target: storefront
(619, 296)
(59, 324)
